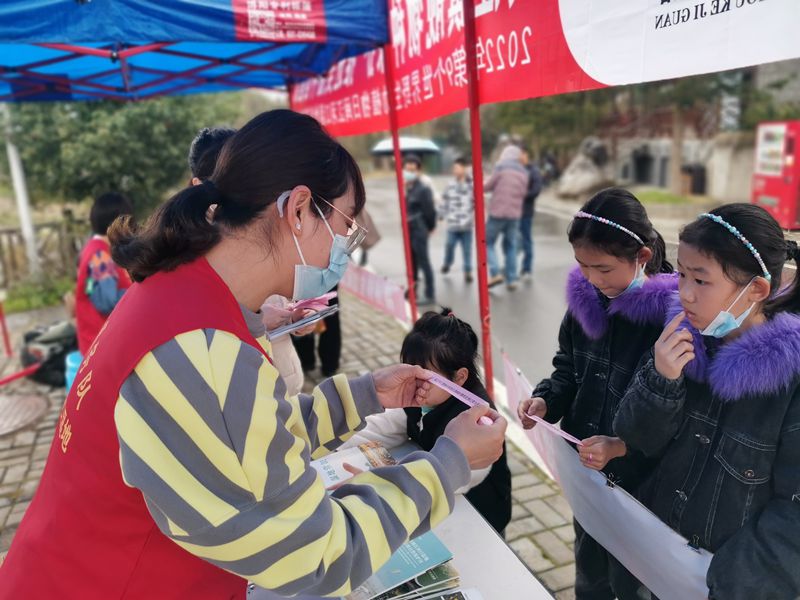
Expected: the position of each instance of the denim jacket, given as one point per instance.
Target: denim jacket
(600, 344)
(728, 431)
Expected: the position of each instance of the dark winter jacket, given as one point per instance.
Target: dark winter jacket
(421, 212)
(491, 497)
(600, 345)
(728, 431)
(534, 189)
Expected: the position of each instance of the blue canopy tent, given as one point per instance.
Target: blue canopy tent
(132, 50)
(138, 49)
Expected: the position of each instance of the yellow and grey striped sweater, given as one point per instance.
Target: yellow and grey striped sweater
(221, 456)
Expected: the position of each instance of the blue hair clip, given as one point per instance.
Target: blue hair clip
(584, 215)
(738, 234)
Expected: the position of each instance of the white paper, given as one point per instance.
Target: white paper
(659, 557)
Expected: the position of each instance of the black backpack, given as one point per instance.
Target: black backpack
(49, 345)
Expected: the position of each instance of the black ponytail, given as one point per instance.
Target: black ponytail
(275, 152)
(737, 262)
(177, 230)
(623, 208)
(788, 300)
(446, 343)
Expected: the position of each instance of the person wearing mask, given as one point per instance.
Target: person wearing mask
(180, 466)
(101, 283)
(203, 154)
(528, 209)
(508, 184)
(421, 221)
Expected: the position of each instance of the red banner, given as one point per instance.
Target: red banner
(516, 59)
(532, 48)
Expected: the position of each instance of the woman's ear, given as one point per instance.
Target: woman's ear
(461, 376)
(644, 256)
(759, 290)
(298, 208)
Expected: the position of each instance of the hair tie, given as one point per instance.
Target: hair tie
(792, 250)
(212, 191)
(584, 215)
(739, 236)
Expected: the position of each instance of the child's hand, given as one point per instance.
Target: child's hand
(531, 406)
(598, 450)
(674, 349)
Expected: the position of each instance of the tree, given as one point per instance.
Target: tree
(75, 151)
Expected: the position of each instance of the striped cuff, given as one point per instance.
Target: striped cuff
(452, 467)
(365, 395)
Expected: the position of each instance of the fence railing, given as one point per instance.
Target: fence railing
(58, 244)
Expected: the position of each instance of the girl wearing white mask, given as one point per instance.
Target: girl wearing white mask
(617, 300)
(180, 467)
(718, 400)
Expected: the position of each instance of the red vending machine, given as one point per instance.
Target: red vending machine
(776, 179)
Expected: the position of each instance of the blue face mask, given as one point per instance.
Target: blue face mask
(311, 281)
(725, 322)
(638, 281)
(408, 176)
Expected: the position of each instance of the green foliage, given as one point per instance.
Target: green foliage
(75, 151)
(556, 121)
(659, 196)
(35, 293)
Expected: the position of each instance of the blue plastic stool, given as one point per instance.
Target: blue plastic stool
(73, 361)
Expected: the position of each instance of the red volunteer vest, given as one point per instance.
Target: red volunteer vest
(88, 318)
(86, 535)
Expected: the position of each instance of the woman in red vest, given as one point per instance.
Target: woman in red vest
(100, 282)
(180, 467)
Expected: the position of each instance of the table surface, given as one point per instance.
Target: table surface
(482, 558)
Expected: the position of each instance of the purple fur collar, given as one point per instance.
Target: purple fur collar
(763, 360)
(646, 305)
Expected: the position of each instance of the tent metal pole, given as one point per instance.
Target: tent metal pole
(477, 178)
(388, 64)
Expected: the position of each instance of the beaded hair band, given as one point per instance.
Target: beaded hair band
(584, 215)
(738, 234)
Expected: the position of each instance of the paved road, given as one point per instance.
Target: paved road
(525, 321)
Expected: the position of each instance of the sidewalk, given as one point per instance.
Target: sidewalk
(541, 529)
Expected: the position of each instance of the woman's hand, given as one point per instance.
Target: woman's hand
(274, 316)
(674, 349)
(481, 444)
(402, 386)
(598, 450)
(531, 406)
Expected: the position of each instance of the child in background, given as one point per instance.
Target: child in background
(444, 344)
(718, 400)
(617, 299)
(458, 211)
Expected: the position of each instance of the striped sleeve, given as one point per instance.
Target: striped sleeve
(221, 457)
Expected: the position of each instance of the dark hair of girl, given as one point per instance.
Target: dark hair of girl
(205, 149)
(106, 209)
(738, 263)
(444, 342)
(621, 207)
(275, 152)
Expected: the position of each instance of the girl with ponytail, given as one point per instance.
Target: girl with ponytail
(718, 400)
(443, 343)
(617, 298)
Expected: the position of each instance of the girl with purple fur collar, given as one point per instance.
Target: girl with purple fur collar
(718, 399)
(617, 301)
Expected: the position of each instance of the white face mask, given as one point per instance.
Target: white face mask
(311, 281)
(638, 281)
(725, 322)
